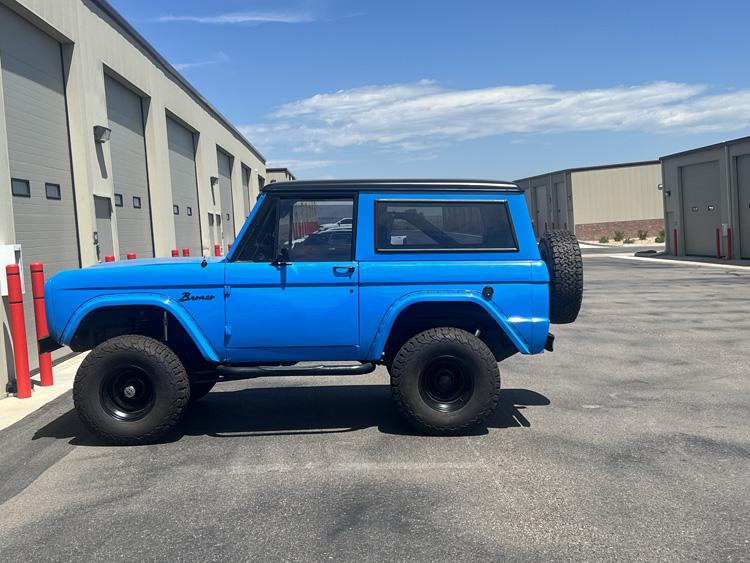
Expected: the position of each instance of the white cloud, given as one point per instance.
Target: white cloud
(239, 17)
(219, 57)
(423, 115)
(295, 164)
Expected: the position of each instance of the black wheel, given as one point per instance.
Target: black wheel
(198, 390)
(560, 250)
(131, 390)
(445, 381)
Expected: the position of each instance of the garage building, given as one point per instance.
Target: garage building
(105, 149)
(279, 175)
(706, 195)
(596, 201)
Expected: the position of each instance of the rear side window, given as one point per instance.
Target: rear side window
(443, 226)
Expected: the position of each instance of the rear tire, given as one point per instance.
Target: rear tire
(445, 381)
(131, 390)
(561, 252)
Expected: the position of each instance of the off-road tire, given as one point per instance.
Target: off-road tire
(159, 366)
(199, 390)
(560, 250)
(418, 356)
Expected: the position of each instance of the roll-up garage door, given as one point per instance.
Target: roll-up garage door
(128, 151)
(542, 210)
(184, 187)
(700, 207)
(37, 143)
(743, 184)
(225, 189)
(246, 194)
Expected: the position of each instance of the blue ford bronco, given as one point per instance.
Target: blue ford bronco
(437, 280)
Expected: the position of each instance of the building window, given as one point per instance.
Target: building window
(136, 202)
(443, 226)
(189, 211)
(52, 191)
(176, 209)
(118, 200)
(20, 188)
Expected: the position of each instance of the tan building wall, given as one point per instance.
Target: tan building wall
(279, 175)
(94, 42)
(617, 194)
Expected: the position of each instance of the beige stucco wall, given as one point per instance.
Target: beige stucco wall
(630, 193)
(92, 45)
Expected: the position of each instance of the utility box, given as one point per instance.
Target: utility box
(10, 254)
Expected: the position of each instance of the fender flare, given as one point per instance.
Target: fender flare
(153, 299)
(466, 296)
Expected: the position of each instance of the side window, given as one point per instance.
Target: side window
(300, 230)
(447, 226)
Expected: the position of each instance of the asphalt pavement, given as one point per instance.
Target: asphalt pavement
(629, 442)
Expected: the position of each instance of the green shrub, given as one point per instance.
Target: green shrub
(618, 235)
(662, 234)
(642, 235)
(604, 239)
(628, 241)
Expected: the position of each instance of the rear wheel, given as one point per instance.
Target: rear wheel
(445, 381)
(131, 390)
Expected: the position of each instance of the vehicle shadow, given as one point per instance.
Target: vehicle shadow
(297, 411)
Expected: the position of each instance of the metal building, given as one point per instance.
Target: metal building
(279, 175)
(596, 201)
(106, 149)
(706, 195)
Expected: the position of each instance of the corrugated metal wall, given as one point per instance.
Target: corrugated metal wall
(617, 194)
(227, 198)
(184, 187)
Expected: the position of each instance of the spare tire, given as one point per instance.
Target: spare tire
(560, 250)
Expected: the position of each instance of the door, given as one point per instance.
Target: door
(701, 215)
(184, 187)
(127, 147)
(743, 185)
(293, 288)
(103, 213)
(246, 191)
(542, 210)
(40, 180)
(227, 198)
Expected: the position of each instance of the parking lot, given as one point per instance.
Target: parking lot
(630, 441)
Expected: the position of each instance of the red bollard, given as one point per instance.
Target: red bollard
(217, 250)
(131, 255)
(18, 332)
(186, 251)
(175, 253)
(109, 258)
(40, 320)
(229, 247)
(718, 243)
(674, 238)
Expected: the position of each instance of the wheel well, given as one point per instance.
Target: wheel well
(464, 315)
(147, 320)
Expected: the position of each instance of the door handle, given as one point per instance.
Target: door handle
(349, 269)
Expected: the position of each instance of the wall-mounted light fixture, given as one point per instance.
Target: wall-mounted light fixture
(667, 192)
(214, 180)
(101, 133)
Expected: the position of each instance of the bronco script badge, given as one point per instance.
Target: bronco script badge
(187, 296)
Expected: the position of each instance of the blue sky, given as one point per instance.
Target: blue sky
(488, 89)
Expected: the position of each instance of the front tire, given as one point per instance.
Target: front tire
(445, 381)
(131, 390)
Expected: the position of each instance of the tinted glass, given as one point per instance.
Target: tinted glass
(300, 230)
(20, 188)
(52, 191)
(443, 226)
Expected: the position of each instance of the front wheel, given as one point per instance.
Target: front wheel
(131, 390)
(445, 381)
